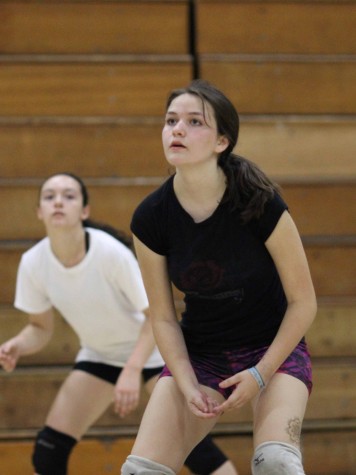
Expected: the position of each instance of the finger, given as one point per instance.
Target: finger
(7, 362)
(212, 403)
(126, 404)
(224, 407)
(202, 415)
(200, 405)
(227, 383)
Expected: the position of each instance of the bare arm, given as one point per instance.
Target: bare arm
(144, 345)
(287, 252)
(166, 328)
(31, 339)
(128, 386)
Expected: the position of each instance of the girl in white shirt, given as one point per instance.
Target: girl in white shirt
(92, 278)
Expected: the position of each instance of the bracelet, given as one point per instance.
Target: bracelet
(256, 374)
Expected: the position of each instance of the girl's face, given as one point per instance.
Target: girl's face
(190, 135)
(61, 203)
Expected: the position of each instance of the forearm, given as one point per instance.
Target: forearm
(31, 339)
(294, 326)
(166, 329)
(143, 348)
(171, 344)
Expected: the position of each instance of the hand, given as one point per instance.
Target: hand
(246, 388)
(201, 404)
(127, 391)
(9, 355)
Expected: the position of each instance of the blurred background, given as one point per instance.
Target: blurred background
(83, 86)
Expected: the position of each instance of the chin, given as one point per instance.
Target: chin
(176, 160)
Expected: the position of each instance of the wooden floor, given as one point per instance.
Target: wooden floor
(100, 456)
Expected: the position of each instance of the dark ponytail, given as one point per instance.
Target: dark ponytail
(248, 187)
(116, 233)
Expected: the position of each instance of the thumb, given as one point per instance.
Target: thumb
(232, 381)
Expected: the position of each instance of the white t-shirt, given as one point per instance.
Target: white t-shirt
(102, 297)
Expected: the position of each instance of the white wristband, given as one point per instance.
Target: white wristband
(256, 374)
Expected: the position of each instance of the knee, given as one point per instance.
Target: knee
(205, 458)
(275, 458)
(51, 452)
(141, 466)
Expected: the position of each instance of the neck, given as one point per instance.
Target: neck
(209, 184)
(200, 195)
(68, 246)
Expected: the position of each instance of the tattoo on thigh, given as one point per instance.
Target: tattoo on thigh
(294, 428)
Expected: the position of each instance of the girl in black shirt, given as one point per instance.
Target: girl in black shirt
(219, 230)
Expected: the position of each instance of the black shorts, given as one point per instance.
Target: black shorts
(212, 369)
(111, 373)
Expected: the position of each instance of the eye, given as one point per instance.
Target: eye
(196, 122)
(47, 197)
(171, 121)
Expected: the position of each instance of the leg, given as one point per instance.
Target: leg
(52, 451)
(278, 415)
(81, 399)
(167, 419)
(226, 468)
(206, 458)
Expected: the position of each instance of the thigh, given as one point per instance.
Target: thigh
(150, 384)
(279, 410)
(169, 430)
(81, 399)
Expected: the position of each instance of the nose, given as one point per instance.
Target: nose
(58, 200)
(178, 128)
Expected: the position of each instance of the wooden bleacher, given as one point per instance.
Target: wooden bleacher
(284, 65)
(82, 88)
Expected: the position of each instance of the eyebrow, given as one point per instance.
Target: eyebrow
(189, 113)
(51, 190)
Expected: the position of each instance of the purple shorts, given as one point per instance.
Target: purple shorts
(214, 368)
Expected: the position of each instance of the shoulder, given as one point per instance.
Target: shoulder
(275, 206)
(105, 243)
(37, 251)
(153, 207)
(273, 210)
(155, 201)
(150, 218)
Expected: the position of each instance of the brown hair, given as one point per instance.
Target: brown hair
(89, 223)
(248, 187)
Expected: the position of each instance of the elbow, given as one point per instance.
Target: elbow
(312, 303)
(305, 306)
(310, 308)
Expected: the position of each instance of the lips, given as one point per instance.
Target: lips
(177, 145)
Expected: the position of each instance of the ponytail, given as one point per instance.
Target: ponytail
(248, 187)
(117, 234)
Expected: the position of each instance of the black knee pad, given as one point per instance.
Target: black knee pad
(51, 452)
(205, 458)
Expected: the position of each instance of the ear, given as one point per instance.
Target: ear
(85, 212)
(221, 144)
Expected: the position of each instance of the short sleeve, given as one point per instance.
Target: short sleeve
(127, 277)
(264, 226)
(30, 296)
(148, 223)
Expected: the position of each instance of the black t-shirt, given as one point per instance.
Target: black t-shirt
(233, 294)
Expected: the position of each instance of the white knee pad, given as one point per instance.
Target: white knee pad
(141, 466)
(276, 458)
